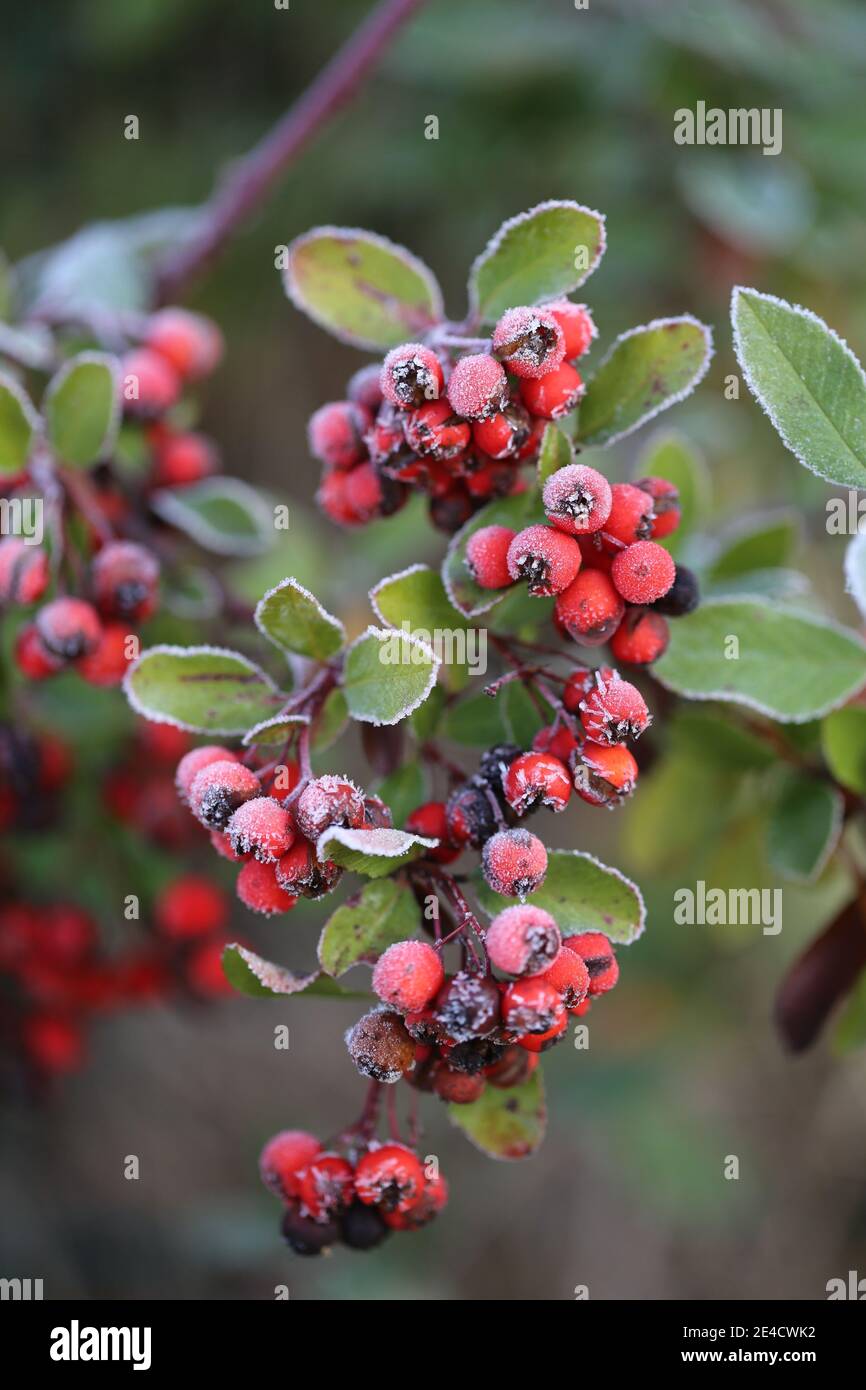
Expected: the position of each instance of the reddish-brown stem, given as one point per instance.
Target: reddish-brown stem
(393, 1125)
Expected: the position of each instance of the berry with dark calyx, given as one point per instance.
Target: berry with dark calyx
(181, 458)
(495, 762)
(473, 1056)
(380, 1046)
(107, 664)
(536, 779)
(613, 710)
(478, 386)
(125, 579)
(540, 1042)
(569, 976)
(557, 740)
(643, 572)
(364, 387)
(503, 434)
(467, 1006)
(193, 762)
(24, 571)
(335, 433)
(408, 975)
(631, 515)
(528, 450)
(377, 816)
(666, 504)
(682, 597)
(433, 1198)
(151, 385)
(218, 789)
(546, 558)
(581, 681)
(522, 940)
(283, 1158)
(384, 439)
(641, 638)
(424, 1029)
(577, 499)
(532, 1006)
(31, 657)
(362, 1228)
(487, 556)
(514, 863)
(261, 826)
(223, 846)
(305, 1236)
(191, 906)
(190, 342)
(410, 376)
(301, 874)
(325, 1187)
(458, 1087)
(390, 1177)
(430, 821)
(590, 610)
(577, 326)
(327, 801)
(258, 889)
(515, 1066)
(597, 953)
(529, 341)
(554, 395)
(68, 628)
(470, 817)
(604, 774)
(434, 429)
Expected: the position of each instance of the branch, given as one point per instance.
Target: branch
(254, 176)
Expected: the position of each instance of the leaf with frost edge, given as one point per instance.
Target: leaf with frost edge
(291, 583)
(278, 720)
(808, 314)
(396, 847)
(385, 635)
(173, 506)
(171, 649)
(59, 379)
(676, 397)
(418, 568)
(384, 243)
(401, 894)
(640, 925)
(276, 981)
(510, 223)
(855, 571)
(836, 823)
(28, 410)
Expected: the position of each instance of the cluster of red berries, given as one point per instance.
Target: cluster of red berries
(457, 427)
(599, 557)
(138, 789)
(355, 1200)
(34, 767)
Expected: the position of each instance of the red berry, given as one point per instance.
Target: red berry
(559, 742)
(183, 458)
(189, 907)
(604, 773)
(580, 683)
(528, 450)
(107, 664)
(68, 628)
(631, 515)
(429, 820)
(163, 742)
(335, 433)
(190, 342)
(433, 429)
(223, 846)
(283, 1158)
(523, 940)
(470, 816)
(300, 873)
(258, 889)
(363, 493)
(503, 434)
(514, 863)
(380, 1046)
(590, 610)
(54, 1042)
(540, 1042)
(576, 323)
(24, 571)
(643, 572)
(596, 951)
(613, 710)
(325, 1186)
(433, 1198)
(536, 778)
(218, 789)
(532, 1006)
(363, 387)
(331, 499)
(577, 499)
(555, 394)
(569, 976)
(193, 762)
(391, 1177)
(125, 578)
(641, 638)
(151, 385)
(327, 801)
(548, 559)
(408, 975)
(384, 439)
(478, 386)
(513, 1068)
(411, 375)
(666, 504)
(529, 341)
(262, 827)
(458, 1087)
(451, 511)
(595, 556)
(467, 1007)
(487, 556)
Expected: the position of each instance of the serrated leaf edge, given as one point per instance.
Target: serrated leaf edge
(291, 583)
(517, 220)
(385, 634)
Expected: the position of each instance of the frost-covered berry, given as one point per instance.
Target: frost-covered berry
(218, 789)
(68, 628)
(433, 1198)
(223, 846)
(258, 889)
(555, 394)
(503, 434)
(514, 863)
(380, 1047)
(540, 1042)
(641, 638)
(467, 1006)
(666, 504)
(411, 374)
(458, 1087)
(536, 779)
(597, 953)
(580, 683)
(469, 815)
(304, 1236)
(326, 1186)
(282, 1159)
(263, 827)
(643, 572)
(434, 430)
(362, 1227)
(529, 341)
(327, 801)
(125, 578)
(365, 495)
(31, 657)
(430, 821)
(523, 940)
(569, 976)
(511, 1069)
(682, 597)
(590, 610)
(546, 558)
(487, 556)
(24, 571)
(301, 874)
(182, 457)
(363, 387)
(377, 816)
(335, 433)
(604, 773)
(391, 1177)
(151, 385)
(190, 342)
(408, 975)
(614, 710)
(577, 326)
(495, 762)
(532, 1005)
(478, 386)
(631, 515)
(557, 740)
(193, 762)
(107, 664)
(577, 499)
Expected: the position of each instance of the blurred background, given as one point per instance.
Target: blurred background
(534, 100)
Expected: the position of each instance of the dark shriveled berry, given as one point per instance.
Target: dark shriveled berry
(306, 1236)
(470, 816)
(682, 597)
(380, 1047)
(467, 1006)
(362, 1228)
(495, 763)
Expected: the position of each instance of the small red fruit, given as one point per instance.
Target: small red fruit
(258, 890)
(182, 458)
(218, 789)
(283, 1158)
(411, 374)
(429, 820)
(391, 1177)
(261, 826)
(577, 499)
(487, 556)
(24, 571)
(503, 434)
(529, 341)
(540, 1042)
(631, 515)
(325, 1186)
(569, 976)
(548, 559)
(467, 1006)
(558, 741)
(408, 975)
(523, 941)
(107, 664)
(641, 638)
(643, 572)
(555, 394)
(590, 609)
(435, 430)
(335, 433)
(300, 873)
(458, 1087)
(125, 580)
(604, 773)
(190, 342)
(532, 1006)
(576, 323)
(478, 386)
(68, 628)
(614, 710)
(581, 682)
(193, 762)
(514, 863)
(151, 385)
(666, 503)
(327, 801)
(536, 778)
(191, 906)
(470, 816)
(596, 951)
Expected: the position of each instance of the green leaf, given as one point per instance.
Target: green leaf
(538, 255)
(855, 571)
(82, 408)
(804, 828)
(415, 598)
(757, 543)
(387, 675)
(520, 714)
(272, 733)
(222, 515)
(373, 853)
(361, 287)
(207, 690)
(18, 420)
(583, 895)
(425, 719)
(669, 455)
(293, 619)
(468, 597)
(381, 914)
(556, 452)
(807, 380)
(262, 979)
(843, 743)
(790, 666)
(508, 1123)
(330, 721)
(405, 789)
(647, 369)
(478, 722)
